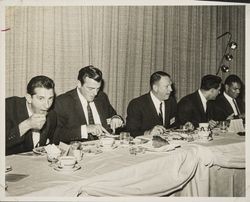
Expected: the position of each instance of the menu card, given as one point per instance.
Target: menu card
(236, 125)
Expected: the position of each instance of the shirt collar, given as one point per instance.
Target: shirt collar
(28, 109)
(82, 98)
(203, 99)
(156, 101)
(227, 97)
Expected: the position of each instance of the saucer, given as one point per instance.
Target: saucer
(61, 169)
(39, 151)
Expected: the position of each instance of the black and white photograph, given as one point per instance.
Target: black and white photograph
(124, 101)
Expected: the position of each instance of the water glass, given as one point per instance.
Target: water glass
(223, 126)
(75, 145)
(124, 138)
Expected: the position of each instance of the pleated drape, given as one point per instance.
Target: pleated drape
(128, 43)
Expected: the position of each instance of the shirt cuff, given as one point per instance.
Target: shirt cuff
(84, 133)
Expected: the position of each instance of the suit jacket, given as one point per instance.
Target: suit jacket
(16, 112)
(142, 115)
(190, 109)
(222, 108)
(70, 115)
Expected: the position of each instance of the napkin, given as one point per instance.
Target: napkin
(64, 148)
(236, 125)
(52, 150)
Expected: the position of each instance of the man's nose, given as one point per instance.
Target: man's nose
(170, 88)
(95, 92)
(47, 104)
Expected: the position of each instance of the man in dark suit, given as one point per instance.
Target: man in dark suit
(29, 123)
(85, 113)
(196, 108)
(152, 113)
(228, 105)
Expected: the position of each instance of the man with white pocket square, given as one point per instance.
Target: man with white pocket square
(151, 113)
(85, 112)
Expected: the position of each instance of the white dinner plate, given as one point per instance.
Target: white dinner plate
(39, 150)
(166, 148)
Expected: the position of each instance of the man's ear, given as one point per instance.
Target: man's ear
(28, 98)
(226, 87)
(155, 88)
(79, 85)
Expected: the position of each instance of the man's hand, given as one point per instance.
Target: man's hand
(188, 126)
(230, 117)
(96, 130)
(157, 130)
(116, 122)
(36, 121)
(213, 123)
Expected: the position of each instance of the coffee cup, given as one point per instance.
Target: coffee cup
(203, 126)
(67, 162)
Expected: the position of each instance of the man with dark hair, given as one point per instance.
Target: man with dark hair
(196, 108)
(85, 112)
(151, 113)
(228, 105)
(29, 123)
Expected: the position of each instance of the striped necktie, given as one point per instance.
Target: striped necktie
(160, 114)
(236, 106)
(90, 115)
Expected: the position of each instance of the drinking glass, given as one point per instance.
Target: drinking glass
(223, 126)
(124, 138)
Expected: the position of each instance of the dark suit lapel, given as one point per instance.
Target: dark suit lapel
(23, 115)
(101, 112)
(44, 132)
(167, 113)
(227, 106)
(151, 108)
(200, 106)
(78, 107)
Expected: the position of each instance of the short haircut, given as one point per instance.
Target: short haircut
(39, 82)
(210, 81)
(91, 72)
(156, 77)
(232, 79)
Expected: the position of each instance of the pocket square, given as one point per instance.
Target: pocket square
(172, 120)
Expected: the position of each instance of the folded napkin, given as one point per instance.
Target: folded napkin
(64, 148)
(52, 150)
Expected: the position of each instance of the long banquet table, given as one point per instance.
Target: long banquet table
(215, 168)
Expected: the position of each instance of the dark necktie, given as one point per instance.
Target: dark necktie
(236, 106)
(160, 113)
(90, 115)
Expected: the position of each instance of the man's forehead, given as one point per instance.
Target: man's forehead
(40, 91)
(91, 82)
(235, 85)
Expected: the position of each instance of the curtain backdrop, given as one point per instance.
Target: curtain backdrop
(128, 43)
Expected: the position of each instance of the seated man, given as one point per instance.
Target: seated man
(228, 105)
(84, 113)
(152, 113)
(196, 108)
(29, 123)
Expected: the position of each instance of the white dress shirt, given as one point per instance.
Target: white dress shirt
(157, 103)
(203, 100)
(97, 120)
(35, 134)
(230, 100)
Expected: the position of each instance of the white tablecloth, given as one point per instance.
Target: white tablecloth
(118, 173)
